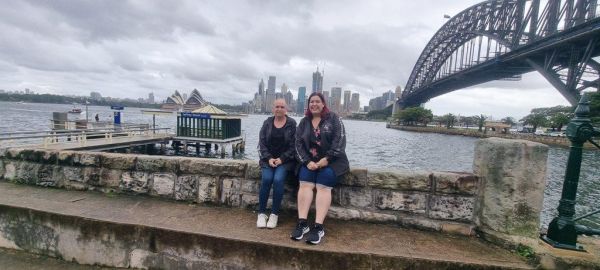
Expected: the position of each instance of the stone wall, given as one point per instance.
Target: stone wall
(441, 201)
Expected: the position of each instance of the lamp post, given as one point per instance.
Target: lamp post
(562, 230)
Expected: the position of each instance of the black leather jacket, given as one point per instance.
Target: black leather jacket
(333, 141)
(287, 157)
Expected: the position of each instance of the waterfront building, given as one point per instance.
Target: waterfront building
(178, 102)
(284, 89)
(327, 98)
(317, 81)
(289, 99)
(301, 103)
(271, 85)
(151, 98)
(336, 99)
(347, 101)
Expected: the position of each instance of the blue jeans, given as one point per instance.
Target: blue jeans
(324, 177)
(271, 177)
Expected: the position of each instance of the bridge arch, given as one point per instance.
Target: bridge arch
(554, 37)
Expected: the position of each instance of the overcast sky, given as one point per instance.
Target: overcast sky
(223, 48)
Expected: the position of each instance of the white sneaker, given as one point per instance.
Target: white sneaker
(261, 222)
(272, 221)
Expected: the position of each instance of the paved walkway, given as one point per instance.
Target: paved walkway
(233, 223)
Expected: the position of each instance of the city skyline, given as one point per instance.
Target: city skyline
(128, 49)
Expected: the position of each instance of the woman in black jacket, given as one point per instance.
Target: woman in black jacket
(320, 149)
(276, 145)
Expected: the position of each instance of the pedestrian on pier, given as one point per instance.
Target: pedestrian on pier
(277, 159)
(320, 150)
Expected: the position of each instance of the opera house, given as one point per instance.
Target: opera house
(176, 102)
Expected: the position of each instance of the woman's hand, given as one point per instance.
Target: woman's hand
(312, 166)
(323, 163)
(277, 162)
(272, 162)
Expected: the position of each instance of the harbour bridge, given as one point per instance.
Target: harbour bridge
(503, 39)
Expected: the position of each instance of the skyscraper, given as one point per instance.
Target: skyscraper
(151, 98)
(317, 82)
(284, 89)
(336, 99)
(271, 85)
(355, 102)
(301, 99)
(327, 98)
(347, 101)
(261, 87)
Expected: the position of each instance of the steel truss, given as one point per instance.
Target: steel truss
(502, 39)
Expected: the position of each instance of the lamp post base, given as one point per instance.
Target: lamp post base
(576, 247)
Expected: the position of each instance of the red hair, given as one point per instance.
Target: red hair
(324, 112)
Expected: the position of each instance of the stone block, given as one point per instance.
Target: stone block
(400, 201)
(343, 213)
(513, 178)
(14, 153)
(186, 188)
(47, 176)
(356, 177)
(458, 228)
(163, 184)
(118, 161)
(27, 173)
(251, 186)
(399, 180)
(230, 192)
(49, 157)
(30, 155)
(92, 176)
(10, 170)
(110, 178)
(253, 170)
(451, 207)
(336, 195)
(250, 201)
(2, 169)
(455, 183)
(356, 197)
(134, 181)
(208, 189)
(213, 167)
(156, 164)
(4, 153)
(87, 159)
(377, 217)
(66, 158)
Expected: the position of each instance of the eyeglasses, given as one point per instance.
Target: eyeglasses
(279, 107)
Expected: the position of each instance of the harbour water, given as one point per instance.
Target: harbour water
(369, 145)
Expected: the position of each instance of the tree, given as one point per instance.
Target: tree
(469, 121)
(558, 120)
(414, 115)
(448, 120)
(509, 121)
(535, 120)
(480, 119)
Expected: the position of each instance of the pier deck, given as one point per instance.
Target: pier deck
(107, 143)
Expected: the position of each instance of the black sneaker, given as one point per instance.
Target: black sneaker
(300, 230)
(315, 235)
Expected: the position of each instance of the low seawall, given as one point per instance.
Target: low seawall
(441, 201)
(548, 140)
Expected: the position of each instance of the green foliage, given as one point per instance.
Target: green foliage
(535, 119)
(469, 121)
(560, 119)
(414, 115)
(58, 99)
(509, 121)
(480, 119)
(525, 251)
(449, 120)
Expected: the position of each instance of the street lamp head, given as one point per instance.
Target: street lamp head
(446, 16)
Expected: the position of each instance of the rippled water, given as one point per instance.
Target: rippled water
(369, 145)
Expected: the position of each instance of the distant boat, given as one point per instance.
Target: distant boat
(75, 110)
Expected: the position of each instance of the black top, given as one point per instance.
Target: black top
(332, 142)
(265, 143)
(277, 146)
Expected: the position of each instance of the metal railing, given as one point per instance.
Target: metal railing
(563, 230)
